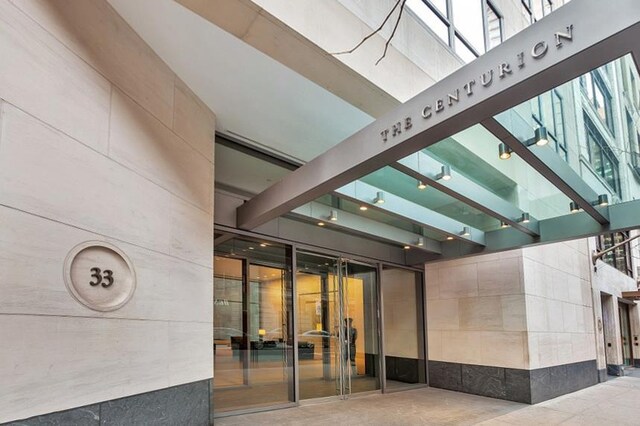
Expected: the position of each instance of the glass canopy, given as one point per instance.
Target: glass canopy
(572, 150)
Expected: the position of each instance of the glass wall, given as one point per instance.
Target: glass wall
(253, 352)
(337, 326)
(403, 321)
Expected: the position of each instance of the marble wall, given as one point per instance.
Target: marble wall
(476, 312)
(99, 140)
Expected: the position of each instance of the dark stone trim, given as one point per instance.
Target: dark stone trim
(405, 370)
(528, 386)
(615, 370)
(602, 375)
(636, 362)
(184, 405)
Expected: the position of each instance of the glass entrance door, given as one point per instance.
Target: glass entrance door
(625, 331)
(337, 326)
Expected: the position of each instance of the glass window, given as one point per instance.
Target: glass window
(526, 10)
(620, 257)
(494, 27)
(601, 157)
(252, 331)
(430, 18)
(467, 19)
(470, 27)
(599, 97)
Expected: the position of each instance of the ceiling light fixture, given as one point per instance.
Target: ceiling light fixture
(421, 185)
(574, 207)
(504, 225)
(263, 245)
(379, 198)
(524, 218)
(420, 241)
(466, 231)
(334, 216)
(540, 136)
(603, 200)
(363, 208)
(320, 223)
(407, 247)
(449, 238)
(504, 152)
(445, 173)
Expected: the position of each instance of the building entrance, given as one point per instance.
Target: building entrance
(336, 314)
(625, 332)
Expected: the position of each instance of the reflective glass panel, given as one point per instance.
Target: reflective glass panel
(252, 333)
(430, 19)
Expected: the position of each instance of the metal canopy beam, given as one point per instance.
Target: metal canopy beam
(422, 167)
(363, 225)
(361, 192)
(623, 217)
(509, 128)
(532, 62)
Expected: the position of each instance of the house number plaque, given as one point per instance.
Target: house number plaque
(99, 275)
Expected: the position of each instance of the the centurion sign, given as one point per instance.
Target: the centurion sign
(537, 52)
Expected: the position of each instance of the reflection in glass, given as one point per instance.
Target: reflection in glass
(337, 326)
(432, 21)
(253, 354)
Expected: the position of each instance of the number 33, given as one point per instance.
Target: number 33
(107, 275)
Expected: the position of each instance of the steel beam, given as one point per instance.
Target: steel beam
(424, 168)
(545, 161)
(365, 226)
(547, 61)
(361, 192)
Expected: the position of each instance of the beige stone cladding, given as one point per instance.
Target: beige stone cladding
(526, 309)
(99, 140)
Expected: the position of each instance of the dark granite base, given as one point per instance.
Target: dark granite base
(636, 362)
(528, 386)
(602, 375)
(407, 370)
(184, 405)
(615, 370)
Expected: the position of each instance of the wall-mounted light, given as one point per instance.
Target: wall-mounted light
(263, 245)
(334, 216)
(364, 208)
(540, 136)
(320, 223)
(421, 185)
(504, 225)
(504, 152)
(379, 198)
(449, 238)
(407, 247)
(466, 231)
(420, 241)
(445, 173)
(524, 218)
(574, 207)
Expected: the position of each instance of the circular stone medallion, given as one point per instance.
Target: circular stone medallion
(99, 275)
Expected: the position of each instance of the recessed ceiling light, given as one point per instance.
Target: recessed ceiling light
(320, 223)
(363, 208)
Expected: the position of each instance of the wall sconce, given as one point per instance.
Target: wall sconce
(574, 207)
(524, 218)
(379, 198)
(421, 185)
(466, 231)
(445, 173)
(504, 152)
(603, 200)
(334, 216)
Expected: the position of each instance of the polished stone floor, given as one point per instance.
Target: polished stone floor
(615, 402)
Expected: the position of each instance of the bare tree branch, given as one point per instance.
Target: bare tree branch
(398, 2)
(386, 45)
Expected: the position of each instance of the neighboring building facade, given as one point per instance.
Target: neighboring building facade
(111, 123)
